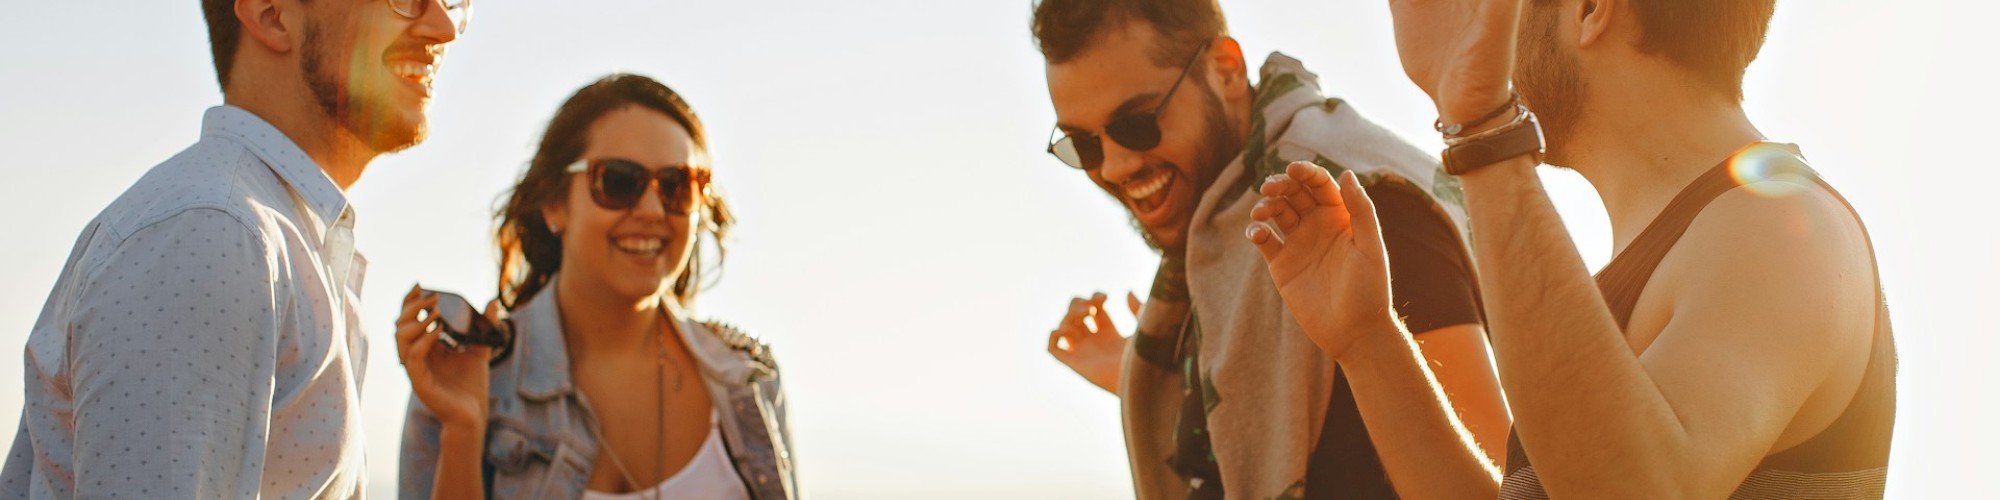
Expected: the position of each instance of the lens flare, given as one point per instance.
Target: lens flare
(1752, 166)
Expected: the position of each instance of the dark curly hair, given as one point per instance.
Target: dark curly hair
(530, 254)
(1065, 28)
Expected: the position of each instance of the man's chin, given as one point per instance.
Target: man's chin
(399, 140)
(397, 134)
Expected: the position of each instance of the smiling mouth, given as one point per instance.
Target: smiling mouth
(415, 72)
(1148, 195)
(643, 246)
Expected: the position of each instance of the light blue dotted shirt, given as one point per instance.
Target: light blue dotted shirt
(202, 341)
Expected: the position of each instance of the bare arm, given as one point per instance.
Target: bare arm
(1714, 392)
(1458, 359)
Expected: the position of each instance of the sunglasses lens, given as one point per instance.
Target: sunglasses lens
(619, 183)
(1137, 133)
(1065, 150)
(1084, 152)
(676, 190)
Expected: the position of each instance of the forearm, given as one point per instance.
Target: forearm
(1582, 402)
(1426, 450)
(458, 469)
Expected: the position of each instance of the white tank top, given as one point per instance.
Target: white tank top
(709, 475)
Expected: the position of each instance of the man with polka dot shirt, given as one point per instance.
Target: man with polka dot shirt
(202, 340)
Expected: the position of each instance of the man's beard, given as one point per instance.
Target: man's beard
(366, 116)
(1220, 144)
(1549, 81)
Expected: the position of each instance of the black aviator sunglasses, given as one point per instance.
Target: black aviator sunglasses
(1137, 132)
(618, 184)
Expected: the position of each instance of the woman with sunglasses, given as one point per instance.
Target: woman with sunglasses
(609, 390)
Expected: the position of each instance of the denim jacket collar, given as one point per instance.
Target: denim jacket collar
(545, 362)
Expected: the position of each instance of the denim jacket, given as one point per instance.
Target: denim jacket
(538, 438)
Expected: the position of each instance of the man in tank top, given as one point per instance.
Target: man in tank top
(1738, 345)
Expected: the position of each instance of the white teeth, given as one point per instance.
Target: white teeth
(1149, 189)
(413, 70)
(641, 246)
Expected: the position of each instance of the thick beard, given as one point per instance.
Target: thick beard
(1220, 144)
(1550, 83)
(371, 123)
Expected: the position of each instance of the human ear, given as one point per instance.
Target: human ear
(1594, 19)
(1226, 69)
(277, 25)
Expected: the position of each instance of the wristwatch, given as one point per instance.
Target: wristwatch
(1521, 137)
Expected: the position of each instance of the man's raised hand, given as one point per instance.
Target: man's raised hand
(1330, 265)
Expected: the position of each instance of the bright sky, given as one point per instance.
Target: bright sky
(905, 244)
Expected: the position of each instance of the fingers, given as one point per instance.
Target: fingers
(411, 304)
(419, 358)
(1267, 241)
(1072, 327)
(408, 327)
(1100, 320)
(1276, 211)
(1361, 209)
(1315, 181)
(1074, 316)
(1132, 301)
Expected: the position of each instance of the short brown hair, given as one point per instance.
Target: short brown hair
(1064, 28)
(1717, 39)
(223, 33)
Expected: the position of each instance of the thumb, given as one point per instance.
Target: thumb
(1132, 300)
(1361, 214)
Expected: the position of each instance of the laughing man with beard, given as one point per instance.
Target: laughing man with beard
(1221, 391)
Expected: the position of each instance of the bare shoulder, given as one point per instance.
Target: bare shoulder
(1782, 258)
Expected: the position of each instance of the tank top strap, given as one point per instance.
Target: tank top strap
(1622, 280)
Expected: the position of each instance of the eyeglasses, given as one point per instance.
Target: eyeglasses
(1140, 132)
(460, 11)
(618, 184)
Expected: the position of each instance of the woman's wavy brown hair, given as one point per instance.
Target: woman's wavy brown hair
(530, 254)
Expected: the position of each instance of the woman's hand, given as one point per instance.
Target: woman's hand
(1087, 342)
(1461, 52)
(453, 385)
(1329, 263)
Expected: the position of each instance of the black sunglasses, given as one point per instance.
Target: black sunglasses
(618, 184)
(461, 326)
(1137, 132)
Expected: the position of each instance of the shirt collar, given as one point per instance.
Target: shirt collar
(313, 187)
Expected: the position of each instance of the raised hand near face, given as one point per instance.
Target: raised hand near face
(453, 385)
(1087, 342)
(1461, 52)
(1325, 254)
